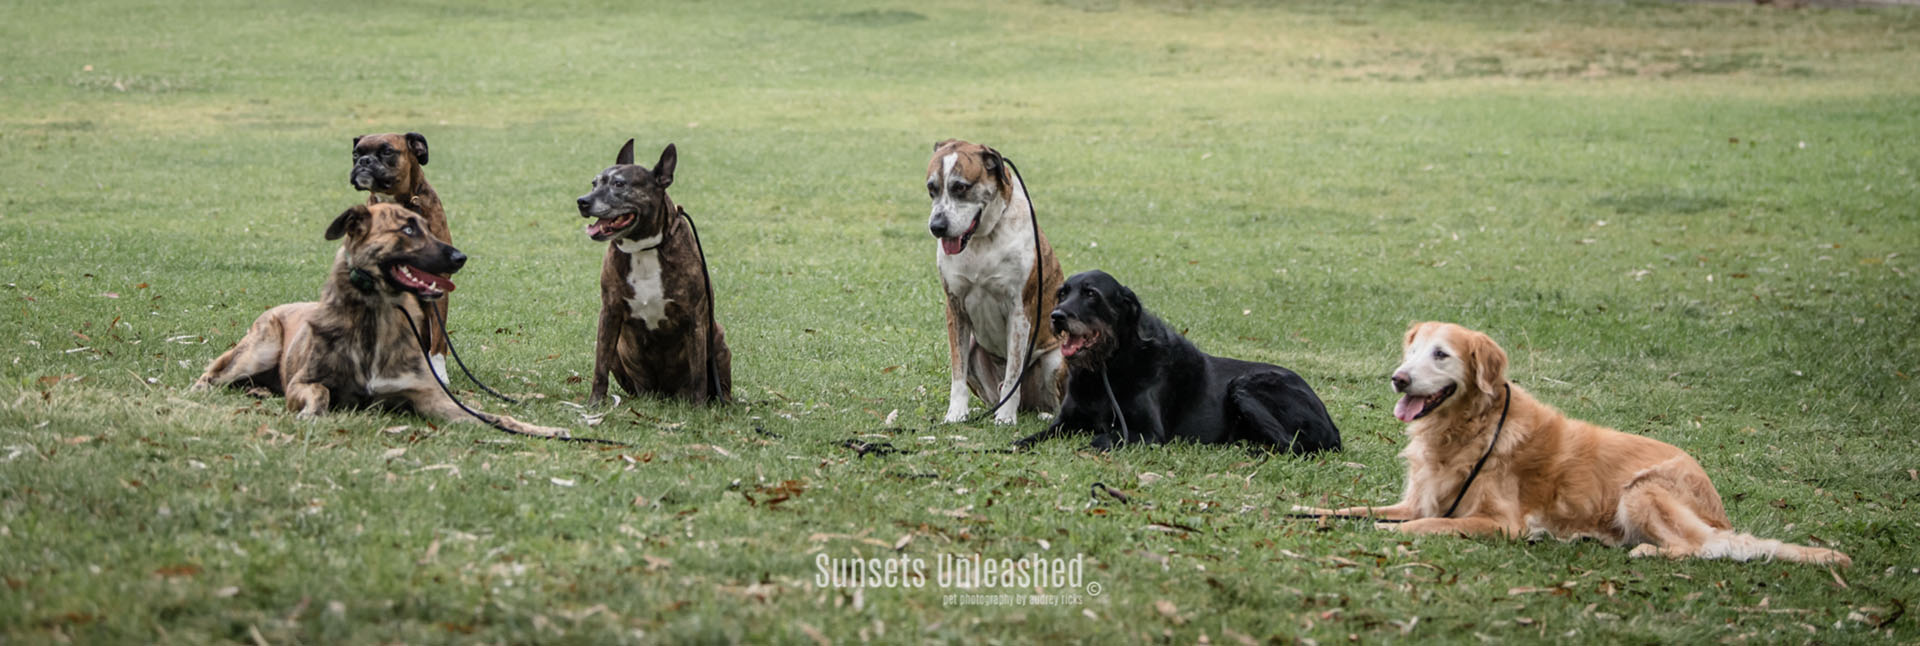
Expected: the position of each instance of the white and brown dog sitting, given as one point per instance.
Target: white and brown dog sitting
(1000, 277)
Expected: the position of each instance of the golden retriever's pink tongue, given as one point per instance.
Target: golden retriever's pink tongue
(952, 245)
(1408, 408)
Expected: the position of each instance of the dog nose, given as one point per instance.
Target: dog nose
(1401, 381)
(458, 259)
(938, 225)
(1059, 319)
(584, 204)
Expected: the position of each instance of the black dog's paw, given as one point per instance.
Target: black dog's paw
(1105, 442)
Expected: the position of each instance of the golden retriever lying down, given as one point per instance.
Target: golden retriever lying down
(1549, 474)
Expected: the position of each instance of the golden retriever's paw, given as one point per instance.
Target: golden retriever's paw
(1822, 556)
(1644, 550)
(1384, 526)
(200, 385)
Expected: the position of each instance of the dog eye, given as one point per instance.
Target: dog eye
(1439, 354)
(409, 230)
(956, 188)
(1091, 293)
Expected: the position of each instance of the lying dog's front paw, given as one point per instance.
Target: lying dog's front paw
(1644, 550)
(200, 385)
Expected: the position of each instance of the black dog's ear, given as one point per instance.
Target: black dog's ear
(663, 169)
(417, 143)
(356, 140)
(1126, 304)
(625, 158)
(353, 219)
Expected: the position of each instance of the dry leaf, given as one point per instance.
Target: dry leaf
(394, 453)
(1167, 610)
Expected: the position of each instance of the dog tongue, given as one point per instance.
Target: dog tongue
(414, 276)
(952, 245)
(1408, 408)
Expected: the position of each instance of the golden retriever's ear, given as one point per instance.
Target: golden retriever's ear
(1413, 330)
(1489, 362)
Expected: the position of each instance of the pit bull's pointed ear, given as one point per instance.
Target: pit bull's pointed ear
(417, 144)
(942, 144)
(356, 140)
(625, 158)
(663, 169)
(351, 220)
(1488, 360)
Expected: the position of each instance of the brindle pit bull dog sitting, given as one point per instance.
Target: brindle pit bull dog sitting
(657, 332)
(355, 348)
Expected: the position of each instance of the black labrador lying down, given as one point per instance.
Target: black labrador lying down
(1133, 379)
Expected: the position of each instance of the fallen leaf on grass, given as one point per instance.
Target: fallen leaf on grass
(394, 453)
(655, 563)
(561, 481)
(1169, 611)
(813, 633)
(177, 571)
(227, 591)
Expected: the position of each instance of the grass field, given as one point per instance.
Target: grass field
(1696, 223)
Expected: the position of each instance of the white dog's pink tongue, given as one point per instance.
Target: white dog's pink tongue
(952, 245)
(1408, 407)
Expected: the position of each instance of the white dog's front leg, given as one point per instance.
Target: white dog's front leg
(959, 348)
(1018, 331)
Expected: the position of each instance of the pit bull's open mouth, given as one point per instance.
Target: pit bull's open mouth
(956, 245)
(1412, 407)
(604, 228)
(418, 281)
(1071, 344)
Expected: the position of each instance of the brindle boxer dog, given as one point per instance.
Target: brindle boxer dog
(655, 311)
(353, 348)
(389, 167)
(997, 286)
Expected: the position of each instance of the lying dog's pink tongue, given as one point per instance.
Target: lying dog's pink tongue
(414, 277)
(953, 245)
(1409, 407)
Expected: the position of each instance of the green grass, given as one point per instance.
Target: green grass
(1696, 223)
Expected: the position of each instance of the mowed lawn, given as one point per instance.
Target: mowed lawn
(1699, 223)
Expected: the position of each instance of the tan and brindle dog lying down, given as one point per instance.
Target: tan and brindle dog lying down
(353, 348)
(1549, 474)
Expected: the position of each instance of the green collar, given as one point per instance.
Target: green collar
(362, 280)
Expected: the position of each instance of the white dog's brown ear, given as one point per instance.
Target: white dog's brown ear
(1489, 362)
(992, 161)
(351, 220)
(943, 144)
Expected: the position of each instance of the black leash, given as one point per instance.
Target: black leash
(1118, 413)
(1471, 475)
(490, 420)
(1033, 335)
(713, 376)
(456, 354)
(1475, 473)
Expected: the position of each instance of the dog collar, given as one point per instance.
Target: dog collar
(362, 280)
(677, 210)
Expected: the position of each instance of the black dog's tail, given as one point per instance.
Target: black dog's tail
(1280, 408)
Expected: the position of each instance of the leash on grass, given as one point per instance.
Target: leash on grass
(456, 355)
(1040, 270)
(1471, 475)
(490, 420)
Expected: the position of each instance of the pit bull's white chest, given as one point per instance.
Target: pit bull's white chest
(648, 300)
(988, 282)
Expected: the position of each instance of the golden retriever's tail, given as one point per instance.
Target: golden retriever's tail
(1739, 546)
